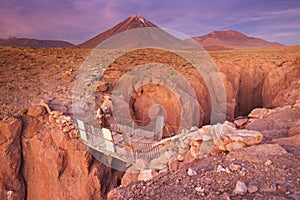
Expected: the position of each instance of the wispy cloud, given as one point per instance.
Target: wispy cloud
(78, 20)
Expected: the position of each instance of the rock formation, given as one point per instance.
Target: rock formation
(12, 184)
(54, 162)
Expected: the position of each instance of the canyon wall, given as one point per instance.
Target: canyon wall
(42, 157)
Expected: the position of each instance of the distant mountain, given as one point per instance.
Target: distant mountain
(132, 22)
(230, 39)
(26, 42)
(217, 40)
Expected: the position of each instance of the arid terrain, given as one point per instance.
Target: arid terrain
(43, 157)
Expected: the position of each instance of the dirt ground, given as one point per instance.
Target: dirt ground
(30, 74)
(273, 177)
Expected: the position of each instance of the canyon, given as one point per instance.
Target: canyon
(43, 156)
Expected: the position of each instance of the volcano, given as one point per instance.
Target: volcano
(132, 22)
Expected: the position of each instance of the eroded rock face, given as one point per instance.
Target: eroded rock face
(11, 181)
(47, 152)
(145, 106)
(274, 123)
(57, 164)
(282, 85)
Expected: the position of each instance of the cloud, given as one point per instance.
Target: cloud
(79, 20)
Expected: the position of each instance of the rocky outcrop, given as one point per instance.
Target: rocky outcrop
(54, 161)
(262, 125)
(189, 146)
(282, 85)
(262, 171)
(11, 181)
(274, 123)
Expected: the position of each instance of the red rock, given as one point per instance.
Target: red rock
(281, 86)
(146, 174)
(11, 181)
(173, 166)
(113, 194)
(31, 126)
(295, 129)
(241, 122)
(195, 149)
(247, 137)
(234, 146)
(36, 111)
(56, 166)
(258, 113)
(130, 176)
(275, 123)
(158, 95)
(188, 157)
(102, 86)
(293, 140)
(240, 188)
(256, 153)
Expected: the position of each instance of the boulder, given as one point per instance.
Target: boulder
(295, 128)
(146, 174)
(131, 175)
(274, 123)
(256, 153)
(36, 111)
(292, 140)
(195, 149)
(248, 137)
(141, 164)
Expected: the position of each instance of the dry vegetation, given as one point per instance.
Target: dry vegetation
(29, 74)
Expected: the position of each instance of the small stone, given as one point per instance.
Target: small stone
(226, 196)
(173, 166)
(242, 173)
(240, 188)
(268, 163)
(220, 168)
(208, 179)
(268, 188)
(163, 170)
(133, 187)
(102, 86)
(145, 175)
(252, 188)
(227, 170)
(195, 148)
(180, 157)
(240, 122)
(191, 172)
(234, 167)
(199, 189)
(281, 188)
